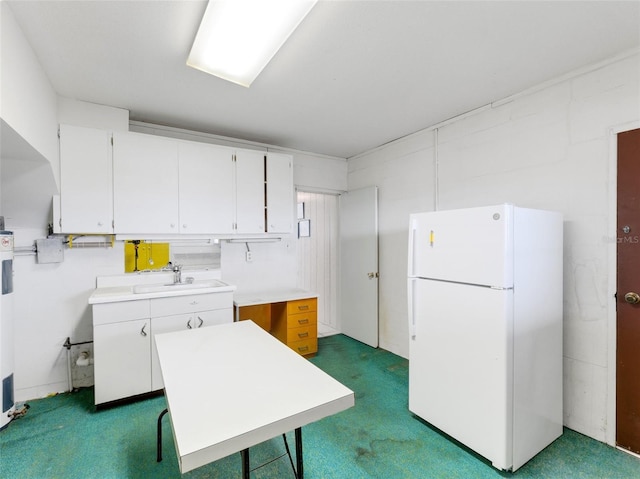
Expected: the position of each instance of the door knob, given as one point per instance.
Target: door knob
(632, 298)
(372, 275)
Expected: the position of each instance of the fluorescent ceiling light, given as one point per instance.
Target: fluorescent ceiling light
(237, 38)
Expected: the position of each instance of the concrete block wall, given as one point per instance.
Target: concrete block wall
(550, 148)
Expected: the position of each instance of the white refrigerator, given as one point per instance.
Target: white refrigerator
(485, 324)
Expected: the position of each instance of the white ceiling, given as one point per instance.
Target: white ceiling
(354, 75)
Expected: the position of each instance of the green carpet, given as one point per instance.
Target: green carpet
(64, 437)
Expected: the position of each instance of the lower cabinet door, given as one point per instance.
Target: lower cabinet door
(122, 360)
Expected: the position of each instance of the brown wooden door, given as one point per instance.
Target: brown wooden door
(628, 283)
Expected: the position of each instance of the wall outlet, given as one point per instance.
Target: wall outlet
(249, 256)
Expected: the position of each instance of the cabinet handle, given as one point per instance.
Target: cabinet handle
(303, 321)
(304, 307)
(303, 349)
(201, 322)
(193, 303)
(189, 324)
(142, 331)
(303, 335)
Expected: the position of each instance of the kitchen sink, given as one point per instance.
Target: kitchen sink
(161, 287)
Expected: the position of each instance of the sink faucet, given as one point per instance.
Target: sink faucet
(177, 273)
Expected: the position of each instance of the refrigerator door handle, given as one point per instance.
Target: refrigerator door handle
(412, 319)
(412, 234)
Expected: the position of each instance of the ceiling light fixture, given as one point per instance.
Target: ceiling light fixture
(237, 38)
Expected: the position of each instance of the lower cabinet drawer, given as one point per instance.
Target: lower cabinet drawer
(307, 346)
(190, 303)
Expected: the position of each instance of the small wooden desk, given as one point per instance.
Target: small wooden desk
(288, 314)
(232, 386)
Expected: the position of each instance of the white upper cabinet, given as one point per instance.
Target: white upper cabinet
(280, 199)
(250, 194)
(86, 201)
(137, 184)
(145, 184)
(206, 188)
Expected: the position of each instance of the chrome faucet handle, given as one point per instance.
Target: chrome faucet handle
(177, 273)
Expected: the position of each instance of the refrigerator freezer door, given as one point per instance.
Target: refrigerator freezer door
(468, 246)
(460, 372)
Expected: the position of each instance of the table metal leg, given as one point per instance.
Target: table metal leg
(159, 458)
(299, 467)
(246, 466)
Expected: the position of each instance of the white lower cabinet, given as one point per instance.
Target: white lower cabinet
(125, 357)
(122, 350)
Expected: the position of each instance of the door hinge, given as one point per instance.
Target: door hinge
(112, 141)
(58, 133)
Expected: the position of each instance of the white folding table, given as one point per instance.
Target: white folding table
(232, 386)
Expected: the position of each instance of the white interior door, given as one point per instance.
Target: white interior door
(359, 265)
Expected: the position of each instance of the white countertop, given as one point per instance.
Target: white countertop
(274, 296)
(223, 400)
(122, 287)
(113, 294)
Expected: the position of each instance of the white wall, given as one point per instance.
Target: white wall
(547, 148)
(318, 255)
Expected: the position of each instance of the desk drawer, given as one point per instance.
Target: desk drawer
(302, 334)
(302, 319)
(302, 305)
(306, 346)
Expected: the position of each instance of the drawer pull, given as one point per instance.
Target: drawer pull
(303, 335)
(189, 324)
(142, 331)
(201, 322)
(303, 321)
(304, 307)
(303, 349)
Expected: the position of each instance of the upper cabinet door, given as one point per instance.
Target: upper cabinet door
(86, 204)
(280, 199)
(206, 188)
(250, 194)
(145, 184)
